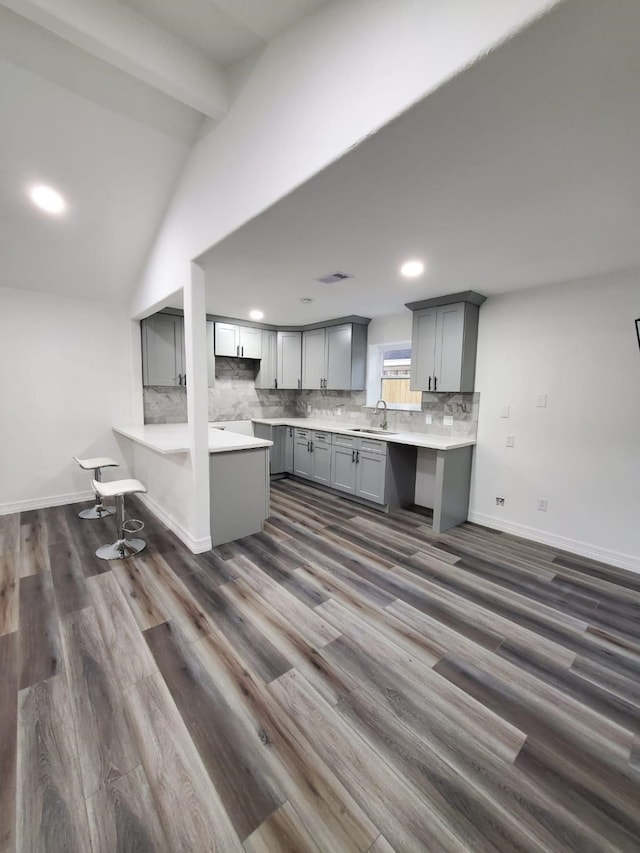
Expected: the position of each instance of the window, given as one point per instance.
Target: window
(393, 378)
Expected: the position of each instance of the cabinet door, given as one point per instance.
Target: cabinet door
(313, 358)
(288, 450)
(423, 349)
(302, 458)
(277, 456)
(268, 369)
(289, 359)
(227, 339)
(371, 474)
(343, 469)
(163, 350)
(321, 453)
(250, 342)
(449, 347)
(338, 357)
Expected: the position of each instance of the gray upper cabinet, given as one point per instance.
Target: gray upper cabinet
(267, 376)
(236, 341)
(163, 356)
(334, 357)
(163, 350)
(444, 341)
(289, 355)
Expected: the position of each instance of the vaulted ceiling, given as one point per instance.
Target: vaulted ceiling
(103, 100)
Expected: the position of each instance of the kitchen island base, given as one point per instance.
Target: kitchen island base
(239, 493)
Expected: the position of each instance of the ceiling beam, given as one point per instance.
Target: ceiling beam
(120, 36)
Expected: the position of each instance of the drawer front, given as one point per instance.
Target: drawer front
(303, 434)
(322, 437)
(372, 445)
(344, 440)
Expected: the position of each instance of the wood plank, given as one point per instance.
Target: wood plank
(330, 814)
(52, 814)
(34, 550)
(106, 748)
(258, 653)
(9, 533)
(9, 591)
(233, 759)
(139, 591)
(381, 845)
(68, 578)
(129, 656)
(39, 638)
(282, 832)
(408, 821)
(192, 814)
(123, 817)
(8, 739)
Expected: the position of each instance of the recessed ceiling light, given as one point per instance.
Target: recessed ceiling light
(47, 199)
(256, 315)
(412, 269)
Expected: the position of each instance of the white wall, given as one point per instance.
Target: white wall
(313, 93)
(65, 378)
(577, 344)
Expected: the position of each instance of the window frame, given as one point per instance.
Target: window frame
(376, 389)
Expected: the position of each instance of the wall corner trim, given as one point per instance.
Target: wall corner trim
(196, 546)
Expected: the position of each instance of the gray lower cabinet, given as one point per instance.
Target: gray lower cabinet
(288, 450)
(312, 455)
(359, 467)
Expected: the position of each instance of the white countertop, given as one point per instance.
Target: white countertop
(416, 439)
(174, 438)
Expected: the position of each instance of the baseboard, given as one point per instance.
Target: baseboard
(45, 503)
(196, 546)
(574, 546)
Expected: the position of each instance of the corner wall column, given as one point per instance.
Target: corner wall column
(195, 331)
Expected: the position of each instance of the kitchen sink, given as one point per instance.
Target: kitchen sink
(372, 431)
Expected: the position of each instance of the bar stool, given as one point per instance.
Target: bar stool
(122, 547)
(98, 510)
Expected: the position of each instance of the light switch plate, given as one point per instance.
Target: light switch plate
(428, 419)
(504, 411)
(541, 401)
(511, 440)
(447, 420)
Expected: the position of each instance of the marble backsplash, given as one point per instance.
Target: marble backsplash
(235, 397)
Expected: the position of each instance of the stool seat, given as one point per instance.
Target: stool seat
(96, 462)
(118, 487)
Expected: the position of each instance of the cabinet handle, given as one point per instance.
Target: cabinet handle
(290, 432)
(238, 350)
(242, 353)
(353, 456)
(429, 383)
(275, 383)
(308, 447)
(299, 383)
(312, 447)
(357, 456)
(435, 383)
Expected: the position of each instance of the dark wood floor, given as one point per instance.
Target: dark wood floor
(343, 681)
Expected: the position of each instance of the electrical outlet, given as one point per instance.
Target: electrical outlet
(541, 401)
(511, 441)
(499, 501)
(428, 419)
(308, 408)
(447, 420)
(543, 504)
(504, 411)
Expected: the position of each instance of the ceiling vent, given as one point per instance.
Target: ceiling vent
(332, 277)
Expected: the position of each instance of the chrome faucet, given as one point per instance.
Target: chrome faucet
(384, 423)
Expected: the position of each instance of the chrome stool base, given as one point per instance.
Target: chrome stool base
(121, 550)
(97, 512)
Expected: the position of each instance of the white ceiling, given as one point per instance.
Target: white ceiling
(226, 31)
(109, 136)
(522, 171)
